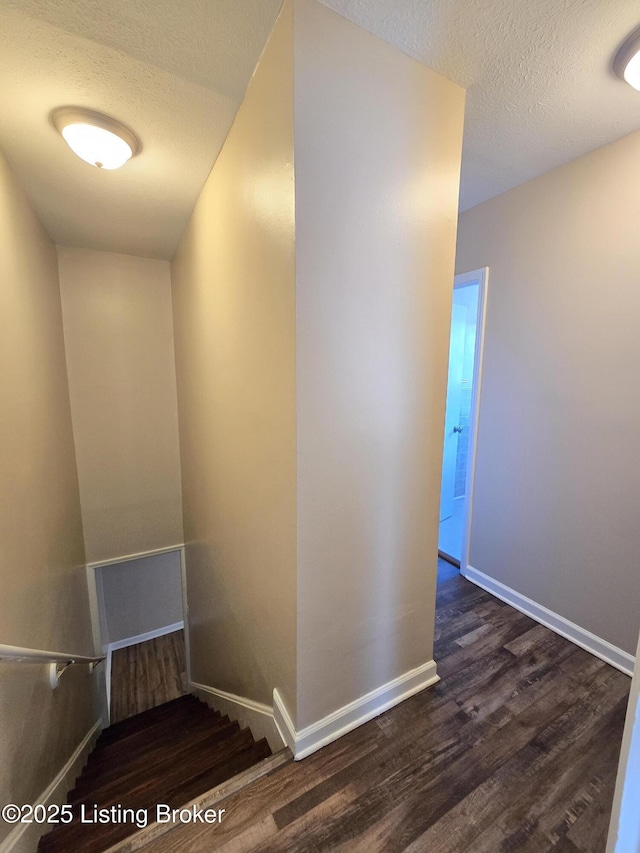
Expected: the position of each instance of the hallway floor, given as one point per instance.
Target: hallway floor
(146, 675)
(515, 749)
(450, 535)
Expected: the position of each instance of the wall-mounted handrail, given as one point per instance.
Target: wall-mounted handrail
(18, 653)
(57, 661)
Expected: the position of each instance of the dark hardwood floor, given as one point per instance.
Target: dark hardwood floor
(515, 749)
(146, 675)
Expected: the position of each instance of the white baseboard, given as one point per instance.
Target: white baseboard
(350, 716)
(142, 638)
(24, 837)
(247, 712)
(580, 636)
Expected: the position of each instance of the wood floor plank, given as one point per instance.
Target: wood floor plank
(506, 808)
(249, 839)
(255, 804)
(427, 793)
(146, 675)
(589, 832)
(515, 749)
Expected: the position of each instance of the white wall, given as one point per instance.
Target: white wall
(118, 331)
(556, 484)
(377, 158)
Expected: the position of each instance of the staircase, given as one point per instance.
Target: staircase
(170, 754)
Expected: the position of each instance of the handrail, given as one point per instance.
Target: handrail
(41, 656)
(58, 661)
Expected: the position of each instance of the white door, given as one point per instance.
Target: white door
(451, 426)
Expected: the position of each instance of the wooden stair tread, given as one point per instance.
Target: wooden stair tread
(216, 775)
(104, 766)
(174, 791)
(174, 710)
(170, 754)
(194, 753)
(94, 839)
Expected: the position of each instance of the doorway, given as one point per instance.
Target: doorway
(139, 621)
(463, 395)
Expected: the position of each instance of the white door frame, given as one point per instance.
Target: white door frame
(481, 278)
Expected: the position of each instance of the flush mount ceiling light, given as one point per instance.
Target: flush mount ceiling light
(96, 138)
(627, 61)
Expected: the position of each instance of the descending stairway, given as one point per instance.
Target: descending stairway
(170, 754)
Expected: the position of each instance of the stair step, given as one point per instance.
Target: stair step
(210, 799)
(105, 758)
(101, 837)
(158, 766)
(170, 754)
(183, 704)
(146, 740)
(240, 761)
(202, 769)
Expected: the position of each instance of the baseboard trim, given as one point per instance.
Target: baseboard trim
(248, 712)
(24, 837)
(308, 740)
(569, 630)
(142, 638)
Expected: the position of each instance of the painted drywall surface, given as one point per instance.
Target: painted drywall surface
(556, 481)
(44, 601)
(377, 154)
(234, 311)
(118, 331)
(141, 595)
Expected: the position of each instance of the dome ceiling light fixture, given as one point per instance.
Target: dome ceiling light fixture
(96, 138)
(627, 60)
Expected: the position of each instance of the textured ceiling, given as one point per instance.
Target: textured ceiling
(540, 93)
(540, 90)
(175, 72)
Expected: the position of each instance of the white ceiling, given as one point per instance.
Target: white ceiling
(540, 93)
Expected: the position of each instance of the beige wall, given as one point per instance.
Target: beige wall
(234, 307)
(44, 597)
(377, 155)
(312, 409)
(556, 490)
(118, 332)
